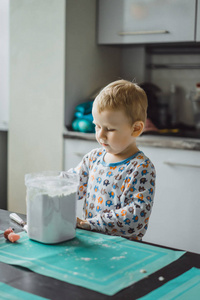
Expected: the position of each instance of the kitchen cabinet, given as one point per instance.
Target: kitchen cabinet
(175, 220)
(74, 150)
(198, 22)
(143, 22)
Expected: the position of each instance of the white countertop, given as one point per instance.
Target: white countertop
(146, 140)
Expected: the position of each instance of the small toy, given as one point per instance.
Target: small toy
(7, 232)
(10, 235)
(13, 237)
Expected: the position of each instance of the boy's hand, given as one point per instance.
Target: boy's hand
(83, 224)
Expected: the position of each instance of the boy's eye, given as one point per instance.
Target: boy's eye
(97, 127)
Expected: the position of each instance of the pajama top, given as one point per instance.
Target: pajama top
(118, 197)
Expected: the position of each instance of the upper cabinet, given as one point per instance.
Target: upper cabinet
(146, 21)
(198, 22)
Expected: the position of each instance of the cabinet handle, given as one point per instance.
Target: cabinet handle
(170, 163)
(143, 32)
(79, 154)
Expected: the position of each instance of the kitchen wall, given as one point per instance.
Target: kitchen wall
(4, 64)
(37, 69)
(133, 63)
(88, 66)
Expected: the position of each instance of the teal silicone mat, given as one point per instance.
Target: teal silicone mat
(92, 260)
(8, 292)
(184, 287)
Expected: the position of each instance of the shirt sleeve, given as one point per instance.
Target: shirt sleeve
(131, 218)
(83, 170)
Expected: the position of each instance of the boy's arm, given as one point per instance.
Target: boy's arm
(64, 174)
(131, 219)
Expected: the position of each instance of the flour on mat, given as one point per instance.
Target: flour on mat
(117, 257)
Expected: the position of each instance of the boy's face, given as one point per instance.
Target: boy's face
(113, 130)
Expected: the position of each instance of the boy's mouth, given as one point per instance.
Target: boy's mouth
(103, 143)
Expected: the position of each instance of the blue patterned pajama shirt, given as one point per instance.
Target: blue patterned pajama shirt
(118, 197)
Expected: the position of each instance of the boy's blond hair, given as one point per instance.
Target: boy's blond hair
(125, 95)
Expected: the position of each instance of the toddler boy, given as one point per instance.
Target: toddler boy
(117, 181)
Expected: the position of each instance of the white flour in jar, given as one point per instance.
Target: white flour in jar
(51, 218)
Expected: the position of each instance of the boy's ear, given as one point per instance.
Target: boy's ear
(138, 127)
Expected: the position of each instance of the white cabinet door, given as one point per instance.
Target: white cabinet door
(142, 21)
(198, 22)
(175, 219)
(74, 150)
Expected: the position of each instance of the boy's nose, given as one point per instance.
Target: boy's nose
(102, 134)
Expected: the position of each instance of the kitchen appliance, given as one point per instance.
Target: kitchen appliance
(51, 206)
